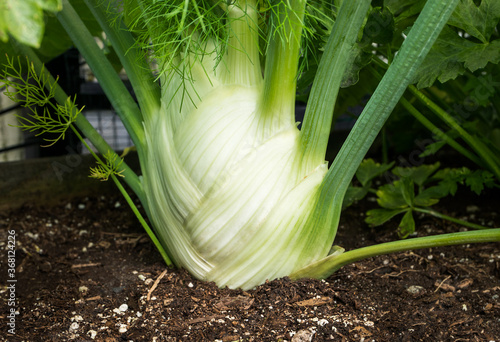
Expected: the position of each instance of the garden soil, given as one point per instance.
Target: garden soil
(86, 271)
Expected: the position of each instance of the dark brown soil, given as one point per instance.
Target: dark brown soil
(85, 271)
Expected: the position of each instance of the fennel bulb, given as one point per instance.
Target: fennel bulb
(225, 190)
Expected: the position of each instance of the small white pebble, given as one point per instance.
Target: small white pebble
(81, 206)
(92, 334)
(123, 328)
(415, 289)
(118, 204)
(123, 307)
(190, 285)
(74, 326)
(322, 322)
(464, 307)
(142, 277)
(77, 318)
(83, 289)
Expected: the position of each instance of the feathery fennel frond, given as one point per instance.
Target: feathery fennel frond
(36, 92)
(104, 170)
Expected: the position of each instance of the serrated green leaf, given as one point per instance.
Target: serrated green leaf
(376, 217)
(478, 21)
(418, 174)
(452, 55)
(478, 179)
(391, 197)
(369, 169)
(407, 225)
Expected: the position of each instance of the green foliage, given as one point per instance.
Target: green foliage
(112, 166)
(36, 92)
(418, 188)
(24, 20)
(40, 27)
(367, 171)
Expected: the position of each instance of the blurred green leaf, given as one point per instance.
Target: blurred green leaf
(369, 169)
(407, 189)
(478, 179)
(407, 225)
(418, 174)
(376, 217)
(24, 20)
(430, 196)
(353, 194)
(379, 27)
(390, 196)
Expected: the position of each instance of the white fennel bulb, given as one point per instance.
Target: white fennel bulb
(227, 190)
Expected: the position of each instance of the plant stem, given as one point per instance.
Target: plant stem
(138, 71)
(131, 203)
(242, 64)
(316, 127)
(439, 133)
(109, 80)
(449, 218)
(490, 159)
(327, 266)
(399, 75)
(282, 58)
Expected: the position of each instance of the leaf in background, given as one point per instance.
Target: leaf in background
(369, 169)
(451, 55)
(478, 179)
(404, 8)
(418, 174)
(478, 21)
(407, 225)
(450, 178)
(353, 194)
(55, 40)
(390, 196)
(407, 190)
(24, 19)
(432, 148)
(376, 217)
(379, 27)
(430, 196)
(357, 61)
